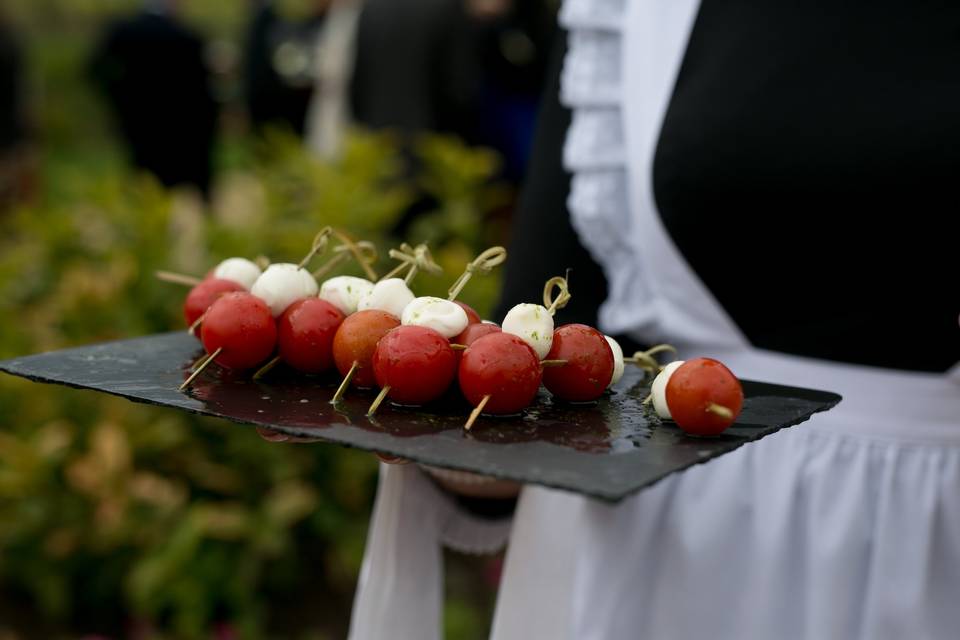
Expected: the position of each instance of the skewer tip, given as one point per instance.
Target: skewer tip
(476, 413)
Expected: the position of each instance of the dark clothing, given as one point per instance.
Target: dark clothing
(153, 73)
(278, 72)
(806, 170)
(11, 93)
(416, 67)
(543, 242)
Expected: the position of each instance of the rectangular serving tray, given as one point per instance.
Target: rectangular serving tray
(607, 449)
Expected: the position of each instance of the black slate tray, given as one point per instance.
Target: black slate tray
(607, 449)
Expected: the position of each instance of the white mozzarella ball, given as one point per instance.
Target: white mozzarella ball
(617, 361)
(391, 295)
(345, 292)
(443, 316)
(240, 270)
(283, 284)
(534, 324)
(659, 389)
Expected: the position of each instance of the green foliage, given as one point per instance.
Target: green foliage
(170, 519)
(113, 513)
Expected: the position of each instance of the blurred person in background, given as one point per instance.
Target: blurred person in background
(513, 44)
(15, 167)
(280, 62)
(151, 69)
(473, 68)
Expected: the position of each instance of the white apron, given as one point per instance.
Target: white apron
(844, 527)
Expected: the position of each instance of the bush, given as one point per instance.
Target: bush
(114, 514)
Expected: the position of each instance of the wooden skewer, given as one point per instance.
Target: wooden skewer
(200, 368)
(458, 347)
(376, 401)
(552, 363)
(476, 413)
(178, 278)
(648, 399)
(342, 389)
(192, 329)
(719, 410)
(265, 369)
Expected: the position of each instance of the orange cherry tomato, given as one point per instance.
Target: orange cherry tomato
(356, 340)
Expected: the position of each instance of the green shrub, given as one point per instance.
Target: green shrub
(111, 512)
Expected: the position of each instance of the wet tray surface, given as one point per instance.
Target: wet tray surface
(608, 449)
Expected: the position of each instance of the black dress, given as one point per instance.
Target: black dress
(823, 173)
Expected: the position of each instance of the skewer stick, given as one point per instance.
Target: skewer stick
(476, 412)
(552, 363)
(376, 401)
(648, 399)
(342, 389)
(719, 410)
(483, 263)
(319, 246)
(192, 329)
(365, 249)
(645, 359)
(358, 249)
(265, 369)
(200, 368)
(414, 259)
(563, 296)
(458, 347)
(178, 278)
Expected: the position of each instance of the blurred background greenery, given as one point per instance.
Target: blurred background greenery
(121, 520)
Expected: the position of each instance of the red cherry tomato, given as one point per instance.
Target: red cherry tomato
(205, 294)
(305, 333)
(589, 363)
(243, 326)
(475, 332)
(417, 364)
(694, 392)
(471, 334)
(356, 340)
(502, 366)
(472, 316)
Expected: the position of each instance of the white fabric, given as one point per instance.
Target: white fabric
(400, 590)
(845, 527)
(329, 111)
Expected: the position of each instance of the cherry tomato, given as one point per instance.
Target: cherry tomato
(205, 294)
(243, 326)
(472, 316)
(502, 366)
(417, 364)
(589, 363)
(695, 391)
(474, 332)
(305, 334)
(356, 340)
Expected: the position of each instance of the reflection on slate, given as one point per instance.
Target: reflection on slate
(606, 449)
